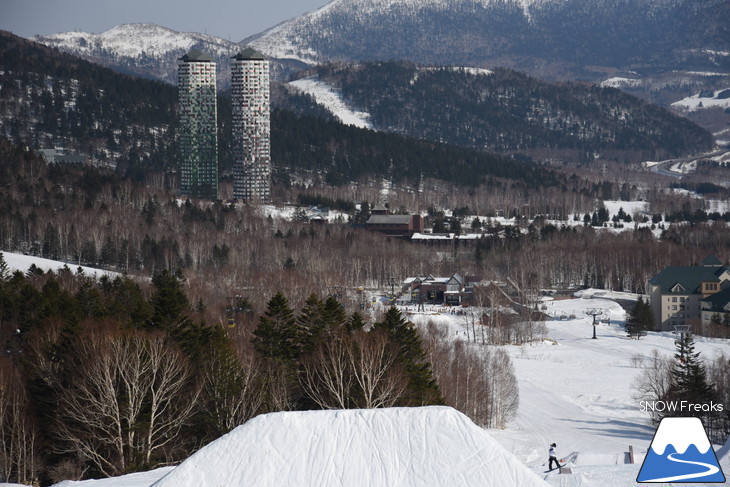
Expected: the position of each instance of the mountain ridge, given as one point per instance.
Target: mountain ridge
(145, 49)
(506, 112)
(505, 32)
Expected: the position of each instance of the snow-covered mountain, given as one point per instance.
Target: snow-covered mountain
(137, 40)
(548, 35)
(146, 49)
(152, 51)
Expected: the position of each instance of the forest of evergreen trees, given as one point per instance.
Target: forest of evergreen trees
(507, 111)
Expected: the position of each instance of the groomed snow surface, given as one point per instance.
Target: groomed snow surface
(406, 447)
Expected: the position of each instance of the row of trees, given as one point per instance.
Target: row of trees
(70, 214)
(686, 378)
(100, 378)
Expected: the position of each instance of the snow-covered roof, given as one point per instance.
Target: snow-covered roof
(432, 236)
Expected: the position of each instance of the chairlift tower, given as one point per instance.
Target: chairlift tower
(594, 312)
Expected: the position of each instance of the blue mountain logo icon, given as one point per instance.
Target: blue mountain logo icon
(680, 452)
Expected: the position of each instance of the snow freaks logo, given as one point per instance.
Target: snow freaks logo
(680, 452)
(680, 406)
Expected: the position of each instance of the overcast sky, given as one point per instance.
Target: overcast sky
(234, 19)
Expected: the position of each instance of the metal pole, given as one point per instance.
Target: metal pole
(594, 327)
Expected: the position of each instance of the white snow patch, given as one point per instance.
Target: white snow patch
(328, 97)
(139, 479)
(630, 207)
(21, 262)
(620, 82)
(696, 102)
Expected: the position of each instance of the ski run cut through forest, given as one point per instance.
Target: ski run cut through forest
(575, 391)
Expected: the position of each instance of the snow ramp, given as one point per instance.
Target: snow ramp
(431, 446)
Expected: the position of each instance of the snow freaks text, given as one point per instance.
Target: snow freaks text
(680, 407)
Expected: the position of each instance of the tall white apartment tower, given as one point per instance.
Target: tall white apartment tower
(251, 127)
(198, 126)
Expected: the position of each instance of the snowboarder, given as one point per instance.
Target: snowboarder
(553, 457)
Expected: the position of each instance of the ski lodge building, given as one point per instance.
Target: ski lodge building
(688, 295)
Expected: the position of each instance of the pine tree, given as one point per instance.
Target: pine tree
(689, 378)
(356, 322)
(90, 300)
(333, 313)
(169, 302)
(640, 320)
(422, 388)
(275, 337)
(310, 323)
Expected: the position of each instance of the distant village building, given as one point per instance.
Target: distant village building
(454, 291)
(198, 113)
(61, 156)
(395, 225)
(678, 293)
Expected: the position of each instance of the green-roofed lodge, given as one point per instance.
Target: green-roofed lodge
(677, 292)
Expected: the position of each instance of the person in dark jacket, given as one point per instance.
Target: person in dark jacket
(553, 457)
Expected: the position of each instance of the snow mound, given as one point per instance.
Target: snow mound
(434, 446)
(138, 479)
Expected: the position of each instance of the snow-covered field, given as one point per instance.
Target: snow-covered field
(408, 447)
(577, 392)
(21, 262)
(695, 102)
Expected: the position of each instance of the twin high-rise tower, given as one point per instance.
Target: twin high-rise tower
(250, 126)
(198, 126)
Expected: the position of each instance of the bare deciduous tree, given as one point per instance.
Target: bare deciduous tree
(504, 391)
(654, 383)
(326, 375)
(380, 379)
(358, 370)
(130, 398)
(477, 380)
(234, 387)
(18, 437)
